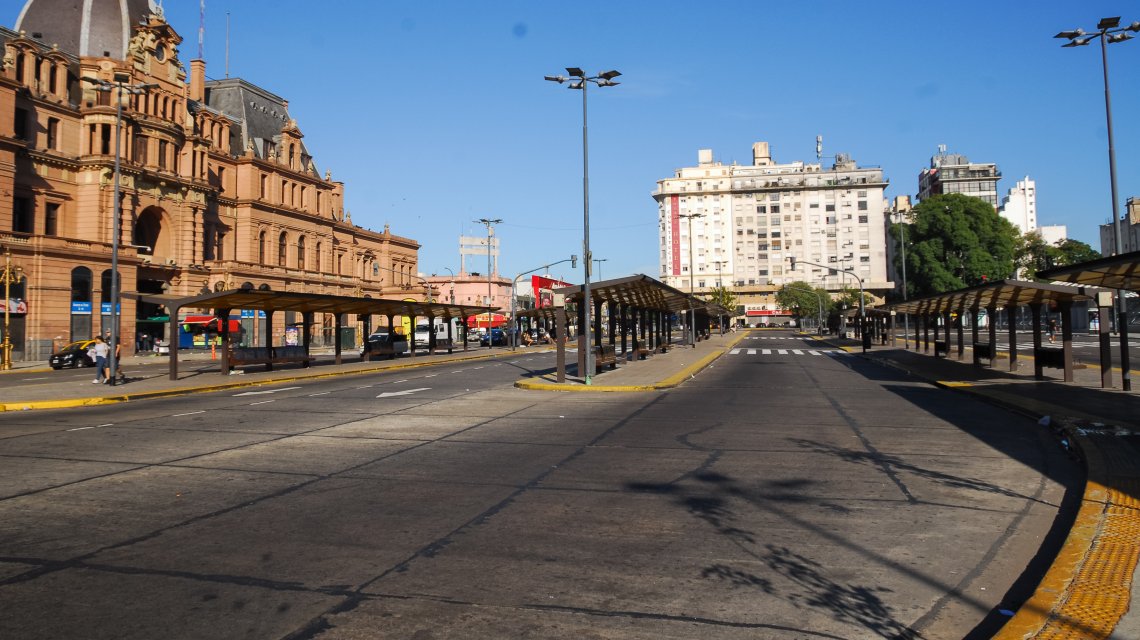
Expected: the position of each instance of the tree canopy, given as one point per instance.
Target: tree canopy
(722, 296)
(956, 241)
(804, 300)
(1034, 254)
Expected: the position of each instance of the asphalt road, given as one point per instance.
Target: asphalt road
(776, 495)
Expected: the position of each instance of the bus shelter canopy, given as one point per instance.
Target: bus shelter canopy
(307, 303)
(1112, 272)
(643, 292)
(1000, 294)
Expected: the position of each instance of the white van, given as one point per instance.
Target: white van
(423, 334)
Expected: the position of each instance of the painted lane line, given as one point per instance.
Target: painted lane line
(458, 371)
(389, 394)
(476, 368)
(261, 393)
(432, 375)
(179, 415)
(262, 402)
(399, 381)
(80, 428)
(30, 379)
(367, 386)
(323, 393)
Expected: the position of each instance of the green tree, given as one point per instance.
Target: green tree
(804, 299)
(722, 296)
(956, 241)
(1034, 254)
(1074, 252)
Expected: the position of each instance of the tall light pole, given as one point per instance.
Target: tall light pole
(1109, 31)
(692, 312)
(488, 222)
(902, 246)
(599, 261)
(581, 80)
(121, 83)
(9, 276)
(452, 292)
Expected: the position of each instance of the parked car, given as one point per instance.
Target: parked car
(72, 355)
(382, 343)
(495, 337)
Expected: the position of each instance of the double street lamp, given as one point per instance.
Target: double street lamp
(580, 80)
(692, 311)
(489, 223)
(121, 84)
(9, 276)
(1109, 31)
(862, 305)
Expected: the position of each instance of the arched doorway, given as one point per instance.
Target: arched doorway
(152, 234)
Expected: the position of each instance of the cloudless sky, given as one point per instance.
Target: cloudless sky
(435, 114)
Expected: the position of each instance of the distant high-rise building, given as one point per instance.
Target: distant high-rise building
(750, 220)
(954, 173)
(1129, 229)
(1019, 206)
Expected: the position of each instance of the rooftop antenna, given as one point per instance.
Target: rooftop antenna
(227, 44)
(201, 29)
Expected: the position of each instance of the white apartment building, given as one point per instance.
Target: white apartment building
(1019, 206)
(744, 223)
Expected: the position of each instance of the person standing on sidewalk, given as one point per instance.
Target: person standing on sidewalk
(118, 364)
(1052, 329)
(102, 350)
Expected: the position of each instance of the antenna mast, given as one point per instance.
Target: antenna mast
(201, 29)
(227, 44)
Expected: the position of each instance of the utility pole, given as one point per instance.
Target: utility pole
(489, 223)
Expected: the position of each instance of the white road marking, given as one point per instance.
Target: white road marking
(28, 379)
(782, 352)
(797, 352)
(179, 415)
(261, 393)
(431, 375)
(734, 352)
(399, 381)
(367, 386)
(262, 402)
(765, 352)
(458, 371)
(323, 393)
(80, 428)
(389, 394)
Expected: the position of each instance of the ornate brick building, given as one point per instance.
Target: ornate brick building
(218, 189)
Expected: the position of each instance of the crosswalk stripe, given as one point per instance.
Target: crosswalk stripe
(797, 352)
(782, 352)
(766, 352)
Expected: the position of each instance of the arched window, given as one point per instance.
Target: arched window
(282, 244)
(261, 248)
(301, 253)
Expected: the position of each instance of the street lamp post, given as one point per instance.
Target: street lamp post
(452, 292)
(120, 83)
(692, 311)
(1109, 31)
(488, 222)
(573, 260)
(599, 261)
(9, 276)
(862, 305)
(581, 80)
(906, 316)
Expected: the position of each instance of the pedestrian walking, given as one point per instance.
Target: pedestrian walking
(100, 351)
(118, 364)
(1052, 329)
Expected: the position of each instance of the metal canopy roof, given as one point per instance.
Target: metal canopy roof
(1002, 293)
(308, 302)
(644, 292)
(1112, 272)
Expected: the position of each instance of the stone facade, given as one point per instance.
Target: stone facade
(217, 191)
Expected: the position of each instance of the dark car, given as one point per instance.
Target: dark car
(495, 337)
(72, 355)
(382, 343)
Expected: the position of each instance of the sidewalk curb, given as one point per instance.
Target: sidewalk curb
(167, 393)
(668, 383)
(1086, 590)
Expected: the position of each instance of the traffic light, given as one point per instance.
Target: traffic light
(573, 262)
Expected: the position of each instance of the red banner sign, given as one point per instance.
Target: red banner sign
(543, 298)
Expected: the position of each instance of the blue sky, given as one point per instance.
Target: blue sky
(435, 114)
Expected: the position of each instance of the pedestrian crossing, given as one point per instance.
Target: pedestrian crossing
(739, 351)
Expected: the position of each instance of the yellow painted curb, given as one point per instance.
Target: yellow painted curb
(237, 384)
(667, 383)
(8, 372)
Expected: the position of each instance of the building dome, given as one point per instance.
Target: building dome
(85, 27)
